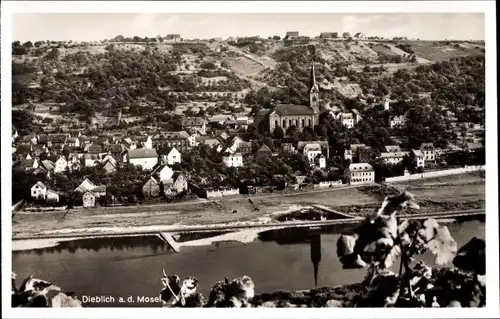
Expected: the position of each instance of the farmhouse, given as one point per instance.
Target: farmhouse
(39, 191)
(146, 158)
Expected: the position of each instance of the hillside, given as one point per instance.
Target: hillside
(96, 80)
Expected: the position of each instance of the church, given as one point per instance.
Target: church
(287, 115)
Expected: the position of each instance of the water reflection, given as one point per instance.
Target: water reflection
(315, 240)
(154, 243)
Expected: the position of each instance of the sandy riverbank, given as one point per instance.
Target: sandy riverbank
(237, 211)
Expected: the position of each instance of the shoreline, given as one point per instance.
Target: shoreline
(242, 231)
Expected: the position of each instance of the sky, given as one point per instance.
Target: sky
(99, 26)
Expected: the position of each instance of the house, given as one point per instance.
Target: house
(114, 149)
(73, 142)
(290, 35)
(325, 148)
(397, 121)
(360, 173)
(198, 124)
(320, 161)
(346, 35)
(144, 141)
(129, 144)
(74, 161)
(173, 38)
(329, 35)
(311, 151)
(162, 172)
(109, 166)
(39, 191)
(418, 158)
(180, 139)
(473, 147)
(347, 119)
(175, 185)
(47, 165)
(392, 148)
(244, 147)
(85, 186)
(287, 147)
(210, 141)
(99, 191)
(264, 150)
(233, 160)
(352, 153)
(171, 155)
(151, 187)
(91, 160)
(393, 157)
(60, 164)
(359, 35)
(88, 199)
(232, 146)
(429, 151)
(147, 158)
(53, 196)
(95, 148)
(364, 154)
(219, 118)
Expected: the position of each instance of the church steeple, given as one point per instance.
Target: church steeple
(313, 90)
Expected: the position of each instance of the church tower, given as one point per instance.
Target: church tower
(313, 91)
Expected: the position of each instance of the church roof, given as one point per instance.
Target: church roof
(292, 109)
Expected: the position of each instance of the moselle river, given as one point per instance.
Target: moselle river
(131, 267)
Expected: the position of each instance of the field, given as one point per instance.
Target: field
(459, 194)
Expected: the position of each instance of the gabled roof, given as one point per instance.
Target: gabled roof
(392, 148)
(142, 153)
(48, 165)
(264, 148)
(418, 153)
(40, 184)
(312, 147)
(171, 135)
(293, 109)
(23, 149)
(427, 147)
(302, 144)
(193, 121)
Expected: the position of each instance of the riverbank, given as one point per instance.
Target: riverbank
(240, 211)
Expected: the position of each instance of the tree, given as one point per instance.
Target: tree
(278, 133)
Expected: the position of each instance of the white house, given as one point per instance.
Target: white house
(147, 158)
(393, 157)
(61, 164)
(52, 196)
(419, 158)
(311, 151)
(320, 161)
(360, 173)
(173, 157)
(85, 186)
(163, 172)
(397, 121)
(347, 120)
(233, 160)
(429, 151)
(39, 191)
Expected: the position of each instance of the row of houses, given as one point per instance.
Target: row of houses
(290, 35)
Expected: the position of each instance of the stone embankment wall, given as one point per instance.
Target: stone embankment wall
(447, 172)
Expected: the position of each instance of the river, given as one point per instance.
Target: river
(287, 259)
